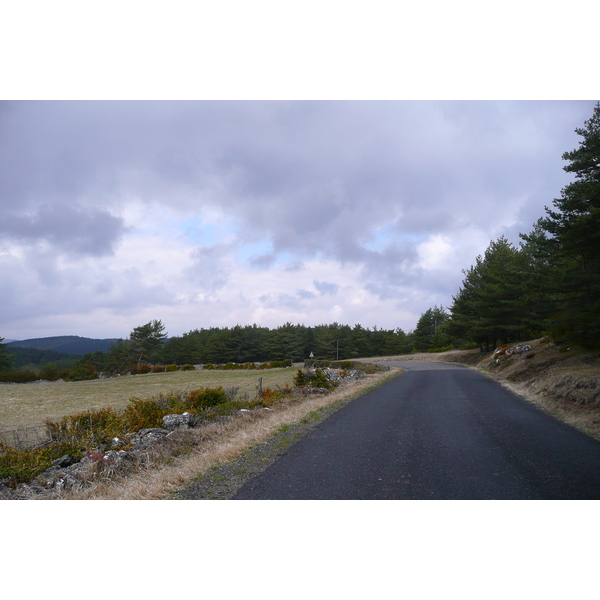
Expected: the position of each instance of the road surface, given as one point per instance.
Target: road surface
(438, 431)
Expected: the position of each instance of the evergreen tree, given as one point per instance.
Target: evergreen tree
(574, 228)
(429, 332)
(147, 340)
(491, 305)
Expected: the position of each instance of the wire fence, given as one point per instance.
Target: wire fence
(25, 437)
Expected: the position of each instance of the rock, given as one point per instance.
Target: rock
(332, 376)
(147, 437)
(183, 421)
(355, 374)
(508, 351)
(64, 461)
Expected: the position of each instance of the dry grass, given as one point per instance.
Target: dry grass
(30, 404)
(193, 453)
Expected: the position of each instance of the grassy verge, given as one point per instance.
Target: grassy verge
(195, 453)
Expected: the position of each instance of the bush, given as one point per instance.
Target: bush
(19, 466)
(442, 348)
(204, 398)
(23, 376)
(83, 372)
(300, 379)
(348, 365)
(88, 428)
(144, 414)
(321, 381)
(188, 368)
(158, 369)
(171, 368)
(141, 369)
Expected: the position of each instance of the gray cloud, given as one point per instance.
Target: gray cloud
(324, 288)
(71, 229)
(209, 271)
(361, 184)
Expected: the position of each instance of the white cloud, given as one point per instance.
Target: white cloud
(435, 253)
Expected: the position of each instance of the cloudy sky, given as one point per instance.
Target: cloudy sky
(217, 213)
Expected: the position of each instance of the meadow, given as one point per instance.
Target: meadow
(30, 404)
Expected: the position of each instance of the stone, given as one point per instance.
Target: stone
(64, 461)
(147, 437)
(183, 421)
(355, 374)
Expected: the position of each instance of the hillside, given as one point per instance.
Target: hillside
(67, 344)
(22, 357)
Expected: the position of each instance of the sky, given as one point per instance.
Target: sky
(216, 213)
(232, 163)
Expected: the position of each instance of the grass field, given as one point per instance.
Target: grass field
(30, 404)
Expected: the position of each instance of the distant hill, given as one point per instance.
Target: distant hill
(22, 357)
(68, 344)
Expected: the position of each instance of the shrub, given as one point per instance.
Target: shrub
(300, 379)
(171, 368)
(22, 376)
(204, 398)
(158, 369)
(321, 381)
(19, 466)
(348, 365)
(88, 428)
(49, 372)
(144, 414)
(188, 368)
(442, 348)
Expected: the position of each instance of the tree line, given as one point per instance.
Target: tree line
(550, 283)
(149, 345)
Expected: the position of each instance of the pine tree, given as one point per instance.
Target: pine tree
(147, 340)
(429, 332)
(574, 228)
(492, 304)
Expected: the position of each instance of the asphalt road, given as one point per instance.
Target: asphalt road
(438, 431)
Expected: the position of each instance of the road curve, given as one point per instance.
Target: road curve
(439, 431)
